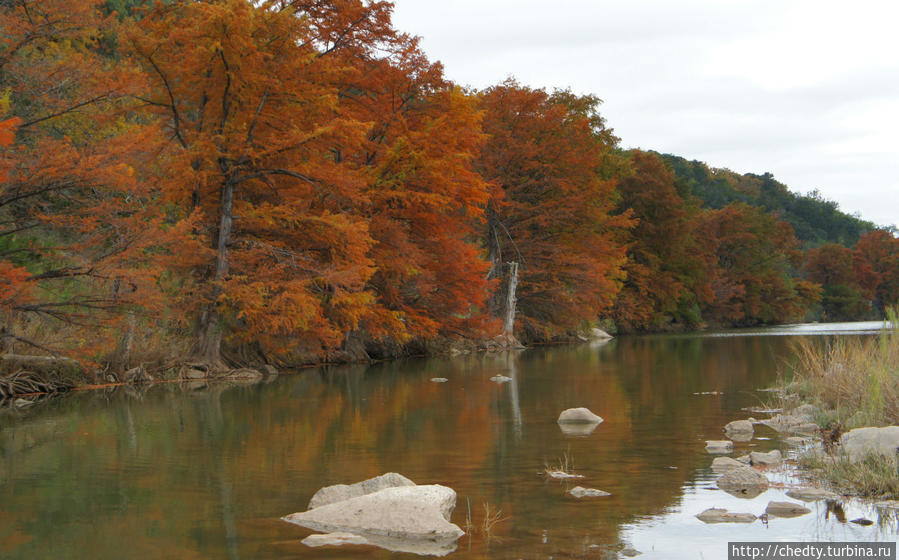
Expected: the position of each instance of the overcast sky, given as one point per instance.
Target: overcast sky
(806, 90)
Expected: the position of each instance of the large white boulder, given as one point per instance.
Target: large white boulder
(857, 443)
(413, 513)
(341, 492)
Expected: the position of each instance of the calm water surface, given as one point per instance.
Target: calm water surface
(170, 472)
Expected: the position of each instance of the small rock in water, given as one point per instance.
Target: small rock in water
(811, 494)
(500, 379)
(862, 521)
(786, 509)
(770, 459)
(719, 446)
(738, 427)
(439, 379)
(744, 481)
(22, 403)
(580, 492)
(724, 463)
(630, 552)
(578, 416)
(719, 515)
(333, 539)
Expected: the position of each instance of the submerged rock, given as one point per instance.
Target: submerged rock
(333, 539)
(769, 459)
(719, 446)
(578, 416)
(580, 492)
(500, 379)
(407, 513)
(341, 492)
(811, 494)
(718, 515)
(857, 443)
(743, 481)
(786, 509)
(439, 379)
(562, 475)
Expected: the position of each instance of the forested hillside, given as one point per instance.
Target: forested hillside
(233, 183)
(815, 220)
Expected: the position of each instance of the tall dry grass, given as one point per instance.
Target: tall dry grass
(858, 377)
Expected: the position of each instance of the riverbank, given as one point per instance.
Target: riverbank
(851, 387)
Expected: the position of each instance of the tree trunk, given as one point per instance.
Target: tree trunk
(495, 256)
(209, 344)
(509, 311)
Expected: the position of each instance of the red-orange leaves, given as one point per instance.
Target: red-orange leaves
(551, 209)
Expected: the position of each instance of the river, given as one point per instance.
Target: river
(170, 471)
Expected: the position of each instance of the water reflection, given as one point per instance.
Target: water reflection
(181, 473)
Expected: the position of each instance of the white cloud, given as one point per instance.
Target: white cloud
(808, 91)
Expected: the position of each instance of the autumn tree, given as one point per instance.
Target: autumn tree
(252, 153)
(753, 278)
(665, 280)
(551, 209)
(72, 210)
(831, 266)
(876, 264)
(424, 198)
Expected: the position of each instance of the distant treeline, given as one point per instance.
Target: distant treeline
(293, 181)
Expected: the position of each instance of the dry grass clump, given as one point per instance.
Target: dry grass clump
(875, 476)
(856, 376)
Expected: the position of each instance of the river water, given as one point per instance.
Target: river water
(178, 472)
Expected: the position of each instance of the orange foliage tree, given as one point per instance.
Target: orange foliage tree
(252, 154)
(551, 209)
(423, 196)
(876, 263)
(831, 266)
(73, 212)
(665, 268)
(752, 278)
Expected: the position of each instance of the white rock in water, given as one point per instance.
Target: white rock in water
(439, 379)
(718, 515)
(578, 415)
(770, 459)
(742, 480)
(500, 379)
(786, 509)
(599, 334)
(402, 512)
(725, 463)
(739, 426)
(719, 446)
(333, 539)
(341, 492)
(581, 492)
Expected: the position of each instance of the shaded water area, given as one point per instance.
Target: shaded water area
(170, 472)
